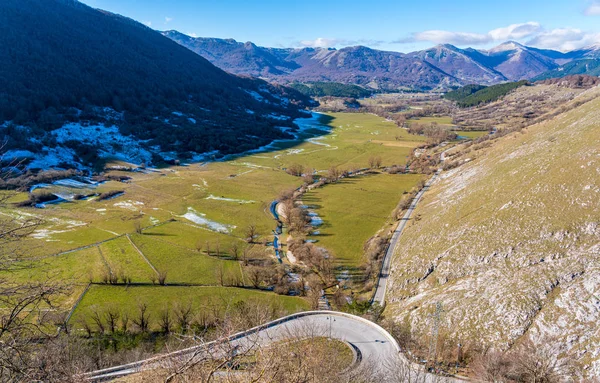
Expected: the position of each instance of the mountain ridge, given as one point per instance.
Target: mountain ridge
(440, 67)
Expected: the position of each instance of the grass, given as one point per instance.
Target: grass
(501, 229)
(77, 267)
(444, 121)
(185, 265)
(335, 349)
(183, 234)
(215, 300)
(236, 193)
(472, 134)
(355, 209)
(122, 258)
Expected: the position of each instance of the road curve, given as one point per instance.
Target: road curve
(374, 344)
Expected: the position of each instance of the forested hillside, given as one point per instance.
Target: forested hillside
(463, 92)
(470, 95)
(334, 89)
(590, 67)
(156, 90)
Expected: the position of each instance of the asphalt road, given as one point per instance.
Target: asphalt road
(384, 274)
(372, 343)
(379, 296)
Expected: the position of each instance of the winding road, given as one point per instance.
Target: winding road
(372, 344)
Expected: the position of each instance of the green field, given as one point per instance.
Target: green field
(472, 134)
(355, 209)
(185, 265)
(204, 300)
(122, 258)
(444, 121)
(211, 205)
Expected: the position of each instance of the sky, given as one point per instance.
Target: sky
(396, 25)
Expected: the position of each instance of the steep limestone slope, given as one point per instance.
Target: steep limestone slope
(510, 243)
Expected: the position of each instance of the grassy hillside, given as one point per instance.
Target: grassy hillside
(522, 107)
(509, 243)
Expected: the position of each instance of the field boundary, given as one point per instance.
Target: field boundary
(142, 254)
(109, 269)
(72, 311)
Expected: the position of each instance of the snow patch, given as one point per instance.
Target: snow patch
(109, 139)
(129, 205)
(229, 199)
(200, 219)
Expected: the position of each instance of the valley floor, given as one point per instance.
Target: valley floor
(187, 225)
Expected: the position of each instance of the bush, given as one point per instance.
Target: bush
(110, 194)
(35, 199)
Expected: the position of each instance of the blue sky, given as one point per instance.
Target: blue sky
(397, 25)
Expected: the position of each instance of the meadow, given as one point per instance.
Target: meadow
(354, 209)
(172, 221)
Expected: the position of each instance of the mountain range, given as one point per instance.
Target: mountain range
(442, 66)
(64, 62)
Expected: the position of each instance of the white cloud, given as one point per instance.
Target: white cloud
(515, 31)
(447, 37)
(565, 39)
(593, 9)
(511, 32)
(168, 20)
(324, 42)
(320, 42)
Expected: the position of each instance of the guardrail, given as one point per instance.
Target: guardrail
(134, 367)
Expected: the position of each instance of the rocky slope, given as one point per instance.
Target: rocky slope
(509, 243)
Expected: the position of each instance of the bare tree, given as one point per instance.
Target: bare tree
(112, 318)
(295, 170)
(255, 274)
(245, 255)
(251, 234)
(220, 274)
(333, 174)
(142, 319)
(166, 321)
(235, 250)
(309, 176)
(375, 162)
(183, 316)
(137, 226)
(162, 277)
